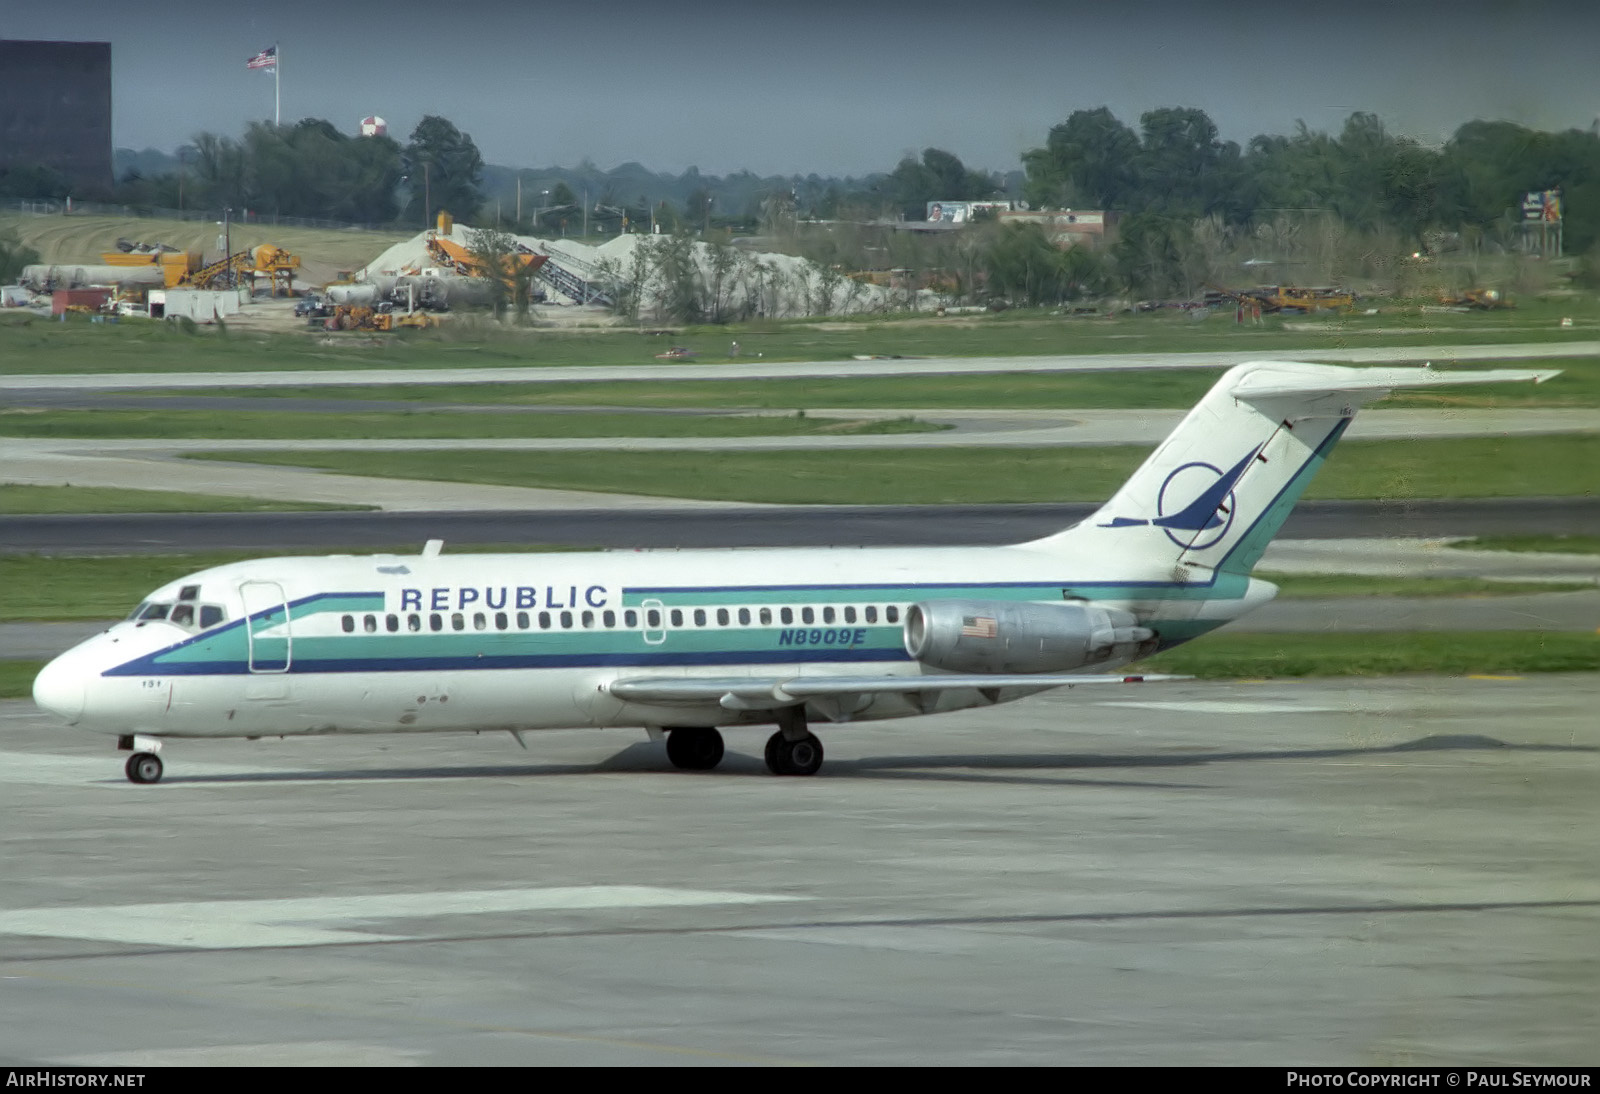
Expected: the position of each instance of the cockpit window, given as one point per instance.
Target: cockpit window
(191, 617)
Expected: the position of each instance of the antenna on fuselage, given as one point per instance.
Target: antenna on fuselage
(432, 548)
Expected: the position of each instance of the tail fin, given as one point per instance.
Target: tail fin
(1218, 489)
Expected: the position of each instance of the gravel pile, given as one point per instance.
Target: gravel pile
(731, 282)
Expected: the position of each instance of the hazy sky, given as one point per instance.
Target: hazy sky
(826, 86)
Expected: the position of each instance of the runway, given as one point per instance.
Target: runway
(1394, 871)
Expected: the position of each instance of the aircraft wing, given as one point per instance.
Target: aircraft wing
(764, 692)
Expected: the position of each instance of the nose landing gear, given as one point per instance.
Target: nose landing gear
(144, 766)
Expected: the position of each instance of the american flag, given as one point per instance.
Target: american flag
(978, 626)
(267, 58)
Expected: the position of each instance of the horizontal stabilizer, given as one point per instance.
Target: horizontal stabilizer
(1280, 379)
(754, 691)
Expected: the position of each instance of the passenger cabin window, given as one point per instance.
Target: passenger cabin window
(850, 615)
(480, 621)
(891, 614)
(677, 618)
(436, 622)
(786, 615)
(500, 621)
(807, 616)
(348, 623)
(370, 624)
(766, 617)
(413, 622)
(610, 619)
(566, 621)
(871, 613)
(391, 623)
(699, 617)
(744, 617)
(588, 620)
(630, 618)
(827, 615)
(522, 621)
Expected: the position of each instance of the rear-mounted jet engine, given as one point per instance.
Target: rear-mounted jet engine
(1009, 637)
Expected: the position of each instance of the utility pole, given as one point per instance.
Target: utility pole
(427, 194)
(519, 199)
(227, 242)
(585, 212)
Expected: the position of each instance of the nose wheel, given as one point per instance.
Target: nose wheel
(143, 767)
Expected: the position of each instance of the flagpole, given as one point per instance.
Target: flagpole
(277, 87)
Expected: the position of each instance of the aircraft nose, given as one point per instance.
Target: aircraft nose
(59, 688)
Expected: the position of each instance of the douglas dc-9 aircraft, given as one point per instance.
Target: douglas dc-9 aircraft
(682, 643)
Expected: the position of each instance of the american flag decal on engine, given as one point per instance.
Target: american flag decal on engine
(978, 626)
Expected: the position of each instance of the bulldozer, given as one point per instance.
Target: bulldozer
(362, 317)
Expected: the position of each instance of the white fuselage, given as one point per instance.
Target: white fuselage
(383, 644)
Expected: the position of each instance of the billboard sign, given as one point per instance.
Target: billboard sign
(1542, 205)
(962, 212)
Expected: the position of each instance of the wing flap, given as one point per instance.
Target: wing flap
(755, 692)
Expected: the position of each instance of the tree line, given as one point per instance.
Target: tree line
(1182, 195)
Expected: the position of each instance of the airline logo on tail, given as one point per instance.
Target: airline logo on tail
(1212, 507)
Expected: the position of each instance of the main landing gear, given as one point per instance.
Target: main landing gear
(794, 749)
(144, 766)
(694, 749)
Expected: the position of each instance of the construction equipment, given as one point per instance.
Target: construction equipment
(174, 264)
(279, 266)
(1476, 300)
(381, 318)
(222, 273)
(1289, 299)
(453, 256)
(268, 260)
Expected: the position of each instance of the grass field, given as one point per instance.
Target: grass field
(1453, 654)
(1566, 545)
(43, 588)
(40, 346)
(1318, 586)
(16, 678)
(80, 240)
(1561, 466)
(434, 424)
(16, 499)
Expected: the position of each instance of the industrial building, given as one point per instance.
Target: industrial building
(55, 109)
